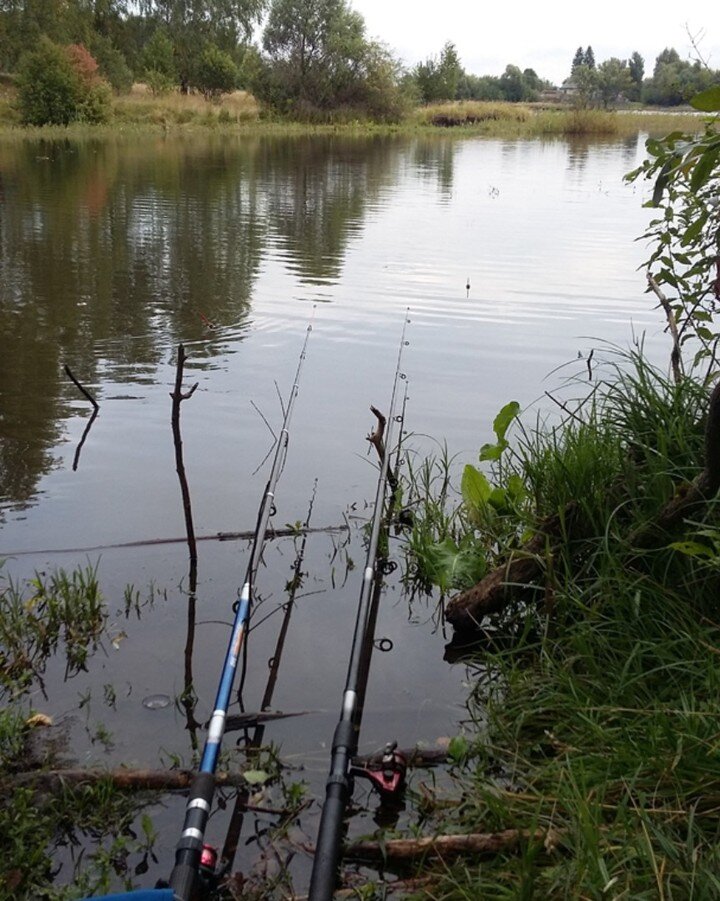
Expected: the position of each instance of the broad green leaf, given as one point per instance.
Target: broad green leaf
(448, 565)
(708, 101)
(703, 168)
(694, 230)
(498, 499)
(516, 487)
(692, 548)
(504, 418)
(492, 451)
(474, 487)
(458, 748)
(256, 777)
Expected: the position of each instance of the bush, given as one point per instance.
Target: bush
(159, 82)
(216, 73)
(49, 88)
(59, 85)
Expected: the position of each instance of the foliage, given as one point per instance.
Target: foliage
(675, 81)
(58, 85)
(614, 80)
(437, 79)
(49, 89)
(636, 67)
(112, 63)
(594, 714)
(159, 63)
(318, 60)
(191, 26)
(685, 236)
(215, 73)
(65, 609)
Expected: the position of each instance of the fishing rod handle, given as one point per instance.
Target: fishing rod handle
(183, 879)
(324, 877)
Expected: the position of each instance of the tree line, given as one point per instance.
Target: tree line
(673, 81)
(313, 59)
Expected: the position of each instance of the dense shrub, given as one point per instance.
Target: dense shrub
(216, 73)
(58, 85)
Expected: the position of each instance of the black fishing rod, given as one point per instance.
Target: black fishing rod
(192, 857)
(345, 740)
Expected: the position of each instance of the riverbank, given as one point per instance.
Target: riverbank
(141, 111)
(592, 732)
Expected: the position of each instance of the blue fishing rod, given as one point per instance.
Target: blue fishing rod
(192, 857)
(338, 788)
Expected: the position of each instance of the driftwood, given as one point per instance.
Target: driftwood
(408, 850)
(526, 564)
(122, 779)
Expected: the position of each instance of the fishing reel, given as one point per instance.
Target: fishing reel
(386, 775)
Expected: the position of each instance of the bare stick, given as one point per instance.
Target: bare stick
(376, 438)
(675, 357)
(177, 397)
(80, 388)
(406, 850)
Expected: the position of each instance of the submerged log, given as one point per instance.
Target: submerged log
(121, 779)
(525, 566)
(407, 850)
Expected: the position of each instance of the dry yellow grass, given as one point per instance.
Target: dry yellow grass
(142, 106)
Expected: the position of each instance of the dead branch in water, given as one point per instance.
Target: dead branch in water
(80, 388)
(121, 779)
(408, 850)
(177, 397)
(376, 437)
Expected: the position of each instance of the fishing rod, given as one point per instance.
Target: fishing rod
(345, 740)
(253, 744)
(192, 856)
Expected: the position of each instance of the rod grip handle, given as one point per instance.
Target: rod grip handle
(182, 881)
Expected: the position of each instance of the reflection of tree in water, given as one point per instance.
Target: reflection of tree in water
(110, 251)
(318, 191)
(436, 159)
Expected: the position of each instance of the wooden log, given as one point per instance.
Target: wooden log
(121, 779)
(408, 850)
(524, 567)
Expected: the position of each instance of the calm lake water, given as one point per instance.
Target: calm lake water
(113, 252)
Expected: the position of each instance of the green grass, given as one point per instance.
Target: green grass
(597, 720)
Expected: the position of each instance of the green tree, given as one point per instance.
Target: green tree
(191, 24)
(636, 67)
(318, 59)
(158, 62)
(215, 73)
(578, 60)
(449, 71)
(685, 234)
(589, 58)
(585, 82)
(613, 80)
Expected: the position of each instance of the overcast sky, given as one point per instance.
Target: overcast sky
(541, 35)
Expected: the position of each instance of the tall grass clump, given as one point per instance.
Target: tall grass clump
(597, 699)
